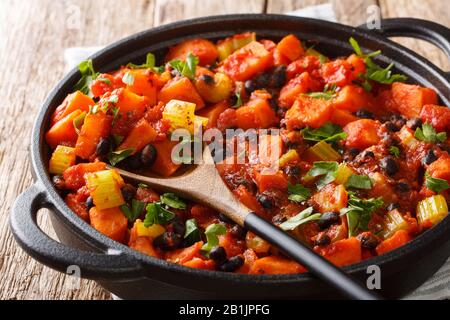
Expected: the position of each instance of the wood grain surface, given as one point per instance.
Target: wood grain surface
(34, 34)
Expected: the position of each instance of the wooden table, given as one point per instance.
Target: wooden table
(34, 34)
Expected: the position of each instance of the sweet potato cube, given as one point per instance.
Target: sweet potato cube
(181, 88)
(362, 133)
(308, 111)
(409, 99)
(111, 222)
(140, 136)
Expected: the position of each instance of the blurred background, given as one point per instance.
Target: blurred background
(34, 38)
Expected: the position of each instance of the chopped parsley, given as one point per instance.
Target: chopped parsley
(303, 217)
(115, 157)
(359, 213)
(212, 233)
(359, 182)
(88, 75)
(373, 71)
(428, 134)
(157, 214)
(327, 170)
(328, 132)
(298, 193)
(134, 212)
(435, 184)
(186, 68)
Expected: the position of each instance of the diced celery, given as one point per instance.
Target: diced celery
(229, 45)
(288, 157)
(104, 187)
(394, 222)
(152, 231)
(343, 173)
(181, 115)
(407, 138)
(434, 209)
(324, 152)
(315, 53)
(62, 158)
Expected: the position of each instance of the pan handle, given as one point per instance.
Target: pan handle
(426, 30)
(35, 242)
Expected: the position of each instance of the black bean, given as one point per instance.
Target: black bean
(327, 219)
(238, 232)
(225, 219)
(415, 123)
(392, 206)
(265, 201)
(167, 241)
(218, 254)
(292, 171)
(322, 239)
(389, 165)
(58, 182)
(353, 152)
(368, 240)
(369, 154)
(103, 147)
(391, 126)
(278, 78)
(178, 227)
(207, 79)
(232, 264)
(233, 99)
(148, 155)
(89, 202)
(128, 192)
(134, 162)
(430, 157)
(365, 114)
(250, 86)
(403, 187)
(262, 80)
(398, 119)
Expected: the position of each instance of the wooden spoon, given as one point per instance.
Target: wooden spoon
(204, 185)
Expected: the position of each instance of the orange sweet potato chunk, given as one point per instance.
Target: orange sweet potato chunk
(111, 222)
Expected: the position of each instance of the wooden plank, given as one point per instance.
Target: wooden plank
(433, 10)
(352, 12)
(174, 10)
(34, 34)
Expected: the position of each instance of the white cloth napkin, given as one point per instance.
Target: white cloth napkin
(438, 286)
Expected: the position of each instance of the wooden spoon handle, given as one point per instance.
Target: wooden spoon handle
(315, 263)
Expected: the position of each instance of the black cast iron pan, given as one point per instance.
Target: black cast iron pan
(130, 274)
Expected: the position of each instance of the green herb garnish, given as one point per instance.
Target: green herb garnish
(186, 68)
(212, 240)
(395, 151)
(428, 134)
(238, 100)
(359, 213)
(328, 132)
(157, 214)
(134, 212)
(327, 170)
(435, 184)
(149, 64)
(115, 157)
(303, 217)
(173, 201)
(298, 193)
(375, 72)
(192, 233)
(88, 75)
(359, 182)
(78, 122)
